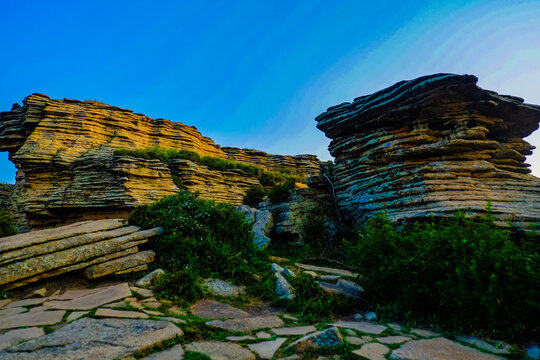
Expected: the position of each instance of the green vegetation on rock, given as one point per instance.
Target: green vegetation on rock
(7, 224)
(463, 274)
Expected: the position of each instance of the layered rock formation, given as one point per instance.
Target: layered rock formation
(101, 248)
(431, 146)
(67, 170)
(6, 193)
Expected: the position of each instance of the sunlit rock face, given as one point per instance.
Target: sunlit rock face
(432, 146)
(67, 169)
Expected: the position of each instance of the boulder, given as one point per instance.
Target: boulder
(432, 146)
(321, 339)
(146, 281)
(262, 224)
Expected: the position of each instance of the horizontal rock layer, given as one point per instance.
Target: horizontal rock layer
(103, 247)
(431, 146)
(67, 170)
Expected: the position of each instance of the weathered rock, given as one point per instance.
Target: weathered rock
(267, 349)
(438, 349)
(498, 347)
(110, 313)
(327, 270)
(12, 311)
(142, 292)
(431, 146)
(294, 330)
(241, 338)
(263, 335)
(373, 351)
(94, 339)
(362, 326)
(31, 319)
(120, 264)
(6, 195)
(220, 287)
(26, 302)
(425, 333)
(389, 340)
(211, 309)
(321, 339)
(92, 300)
(283, 288)
(220, 351)
(370, 316)
(64, 151)
(174, 353)
(13, 337)
(262, 224)
(146, 281)
(76, 315)
(344, 287)
(247, 324)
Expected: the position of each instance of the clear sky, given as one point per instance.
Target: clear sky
(256, 73)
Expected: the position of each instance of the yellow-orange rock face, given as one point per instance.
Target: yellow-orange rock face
(67, 170)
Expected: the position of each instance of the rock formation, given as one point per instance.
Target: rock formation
(64, 151)
(431, 146)
(101, 247)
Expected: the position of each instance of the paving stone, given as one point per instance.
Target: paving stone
(394, 326)
(146, 281)
(289, 317)
(267, 349)
(373, 351)
(438, 349)
(355, 340)
(101, 312)
(152, 312)
(327, 270)
(94, 299)
(321, 339)
(174, 353)
(76, 315)
(389, 340)
(500, 347)
(13, 311)
(5, 302)
(247, 324)
(263, 335)
(241, 338)
(116, 304)
(211, 309)
(218, 287)
(362, 326)
(26, 302)
(75, 293)
(152, 304)
(296, 330)
(425, 333)
(13, 337)
(143, 292)
(89, 338)
(31, 319)
(172, 319)
(39, 308)
(220, 350)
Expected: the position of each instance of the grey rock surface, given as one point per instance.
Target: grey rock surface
(146, 280)
(220, 351)
(438, 349)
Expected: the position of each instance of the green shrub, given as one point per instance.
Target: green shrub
(181, 286)
(465, 274)
(316, 231)
(254, 195)
(280, 193)
(7, 226)
(204, 237)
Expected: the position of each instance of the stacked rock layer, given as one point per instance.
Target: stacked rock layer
(64, 151)
(432, 146)
(99, 248)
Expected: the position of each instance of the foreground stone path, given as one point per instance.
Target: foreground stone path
(117, 321)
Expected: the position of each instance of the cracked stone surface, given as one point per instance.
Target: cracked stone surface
(31, 319)
(120, 314)
(174, 353)
(94, 339)
(220, 351)
(267, 349)
(211, 309)
(13, 337)
(295, 330)
(322, 339)
(373, 351)
(362, 326)
(92, 299)
(247, 324)
(438, 349)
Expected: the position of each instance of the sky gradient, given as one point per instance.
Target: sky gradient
(255, 74)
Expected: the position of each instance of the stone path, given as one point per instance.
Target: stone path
(117, 321)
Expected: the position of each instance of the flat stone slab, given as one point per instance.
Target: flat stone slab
(500, 347)
(241, 338)
(143, 292)
(174, 353)
(247, 324)
(355, 340)
(26, 302)
(389, 340)
(425, 333)
(296, 330)
(327, 270)
(101, 312)
(220, 351)
(12, 311)
(76, 315)
(13, 337)
(211, 309)
(94, 339)
(267, 349)
(218, 287)
(362, 326)
(373, 351)
(438, 349)
(93, 299)
(31, 319)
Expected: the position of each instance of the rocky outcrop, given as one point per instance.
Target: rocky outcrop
(6, 194)
(431, 146)
(101, 247)
(64, 151)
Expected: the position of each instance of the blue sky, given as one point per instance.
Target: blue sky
(256, 73)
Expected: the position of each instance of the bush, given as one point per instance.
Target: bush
(280, 193)
(203, 237)
(465, 274)
(183, 285)
(254, 195)
(7, 226)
